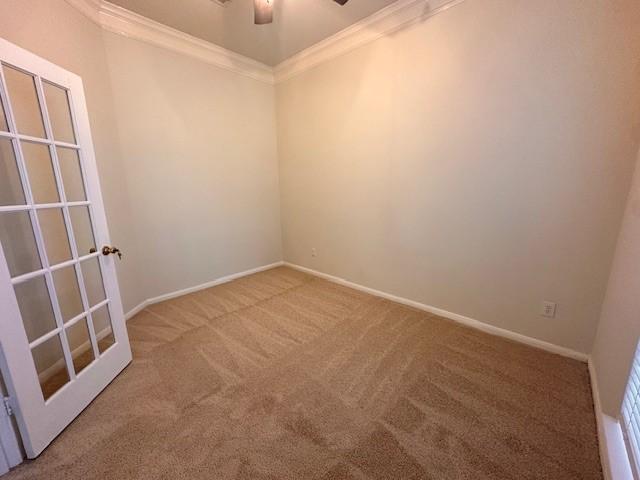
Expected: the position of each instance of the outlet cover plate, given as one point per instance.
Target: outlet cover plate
(549, 309)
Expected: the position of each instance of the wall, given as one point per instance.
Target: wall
(188, 198)
(445, 163)
(477, 162)
(59, 33)
(619, 328)
(202, 167)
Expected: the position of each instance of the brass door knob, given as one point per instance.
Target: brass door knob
(107, 250)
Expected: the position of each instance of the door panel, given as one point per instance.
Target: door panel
(62, 329)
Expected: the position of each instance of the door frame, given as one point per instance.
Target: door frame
(24, 390)
(10, 448)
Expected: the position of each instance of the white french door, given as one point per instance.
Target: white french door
(62, 332)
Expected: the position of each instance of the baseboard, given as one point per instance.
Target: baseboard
(179, 293)
(602, 438)
(470, 322)
(613, 451)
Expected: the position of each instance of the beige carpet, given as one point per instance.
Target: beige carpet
(284, 376)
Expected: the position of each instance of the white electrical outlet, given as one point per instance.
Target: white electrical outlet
(549, 309)
(314, 252)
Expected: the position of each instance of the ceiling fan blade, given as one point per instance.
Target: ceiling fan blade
(263, 11)
(341, 2)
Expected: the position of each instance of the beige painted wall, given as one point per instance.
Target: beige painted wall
(188, 198)
(447, 163)
(202, 169)
(477, 162)
(619, 328)
(56, 31)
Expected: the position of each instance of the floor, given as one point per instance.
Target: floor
(284, 376)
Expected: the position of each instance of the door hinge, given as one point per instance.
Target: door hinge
(8, 409)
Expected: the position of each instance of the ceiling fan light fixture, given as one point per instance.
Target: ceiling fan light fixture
(263, 11)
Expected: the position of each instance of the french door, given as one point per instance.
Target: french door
(62, 331)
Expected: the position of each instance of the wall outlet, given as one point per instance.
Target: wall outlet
(314, 252)
(549, 309)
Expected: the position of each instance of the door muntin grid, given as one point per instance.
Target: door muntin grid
(57, 138)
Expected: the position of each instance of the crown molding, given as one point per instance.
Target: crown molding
(89, 8)
(124, 22)
(396, 16)
(399, 14)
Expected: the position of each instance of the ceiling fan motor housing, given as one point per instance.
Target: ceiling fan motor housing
(263, 10)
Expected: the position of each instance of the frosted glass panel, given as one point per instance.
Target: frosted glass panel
(80, 345)
(40, 171)
(11, 192)
(82, 230)
(71, 174)
(54, 232)
(59, 113)
(19, 243)
(93, 281)
(24, 101)
(50, 365)
(35, 307)
(3, 119)
(103, 329)
(68, 293)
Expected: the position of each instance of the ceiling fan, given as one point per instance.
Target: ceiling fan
(263, 10)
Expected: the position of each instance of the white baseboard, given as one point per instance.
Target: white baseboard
(597, 406)
(179, 293)
(470, 322)
(613, 451)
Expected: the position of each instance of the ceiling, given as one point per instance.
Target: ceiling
(297, 24)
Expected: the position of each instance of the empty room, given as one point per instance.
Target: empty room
(320, 239)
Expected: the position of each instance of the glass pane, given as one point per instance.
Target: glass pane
(50, 365)
(40, 172)
(3, 119)
(68, 292)
(81, 351)
(71, 174)
(10, 185)
(102, 327)
(54, 232)
(93, 281)
(82, 230)
(35, 307)
(24, 101)
(59, 112)
(19, 243)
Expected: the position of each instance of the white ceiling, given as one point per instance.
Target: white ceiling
(297, 24)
